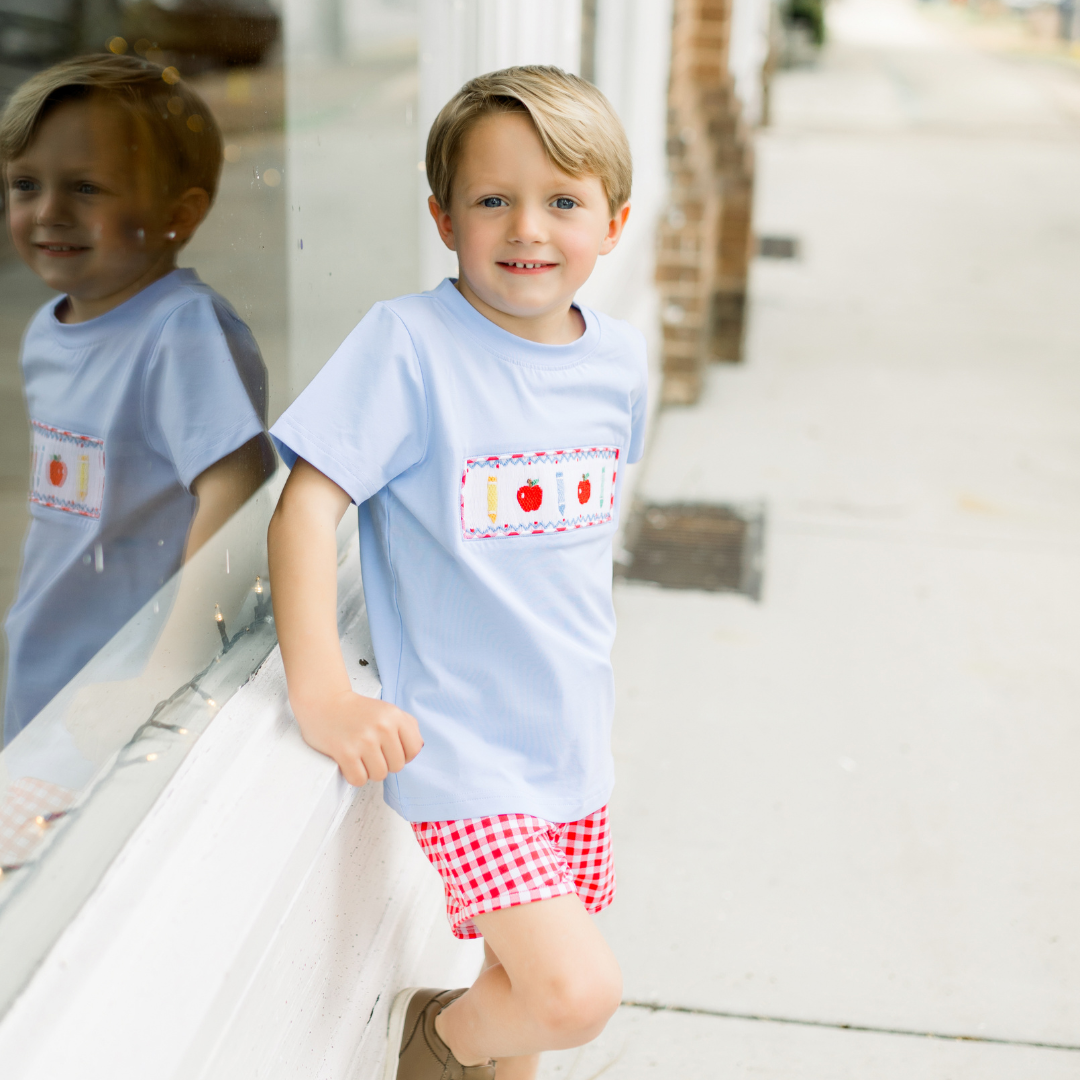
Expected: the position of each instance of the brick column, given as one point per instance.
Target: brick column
(704, 240)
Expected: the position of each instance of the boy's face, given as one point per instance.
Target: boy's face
(526, 234)
(83, 211)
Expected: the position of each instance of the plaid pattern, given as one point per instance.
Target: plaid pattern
(497, 862)
(21, 804)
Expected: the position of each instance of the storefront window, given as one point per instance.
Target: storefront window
(145, 345)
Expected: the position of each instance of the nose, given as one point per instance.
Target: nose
(51, 209)
(527, 225)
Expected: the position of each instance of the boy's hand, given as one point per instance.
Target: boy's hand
(367, 738)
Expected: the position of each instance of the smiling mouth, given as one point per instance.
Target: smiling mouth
(526, 267)
(61, 249)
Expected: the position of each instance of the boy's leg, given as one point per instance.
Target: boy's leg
(555, 986)
(511, 1068)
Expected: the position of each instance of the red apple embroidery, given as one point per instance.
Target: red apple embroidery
(57, 471)
(530, 496)
(584, 490)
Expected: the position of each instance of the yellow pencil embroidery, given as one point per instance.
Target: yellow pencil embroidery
(84, 477)
(493, 497)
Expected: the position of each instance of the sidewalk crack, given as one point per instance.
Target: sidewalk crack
(722, 1014)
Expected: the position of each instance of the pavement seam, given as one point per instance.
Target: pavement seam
(836, 1025)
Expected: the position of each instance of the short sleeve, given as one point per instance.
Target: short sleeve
(639, 400)
(247, 358)
(363, 419)
(196, 403)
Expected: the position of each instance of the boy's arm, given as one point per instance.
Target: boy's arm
(366, 737)
(223, 488)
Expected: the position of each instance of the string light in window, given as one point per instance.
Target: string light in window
(220, 620)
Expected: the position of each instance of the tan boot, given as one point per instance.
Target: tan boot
(414, 1049)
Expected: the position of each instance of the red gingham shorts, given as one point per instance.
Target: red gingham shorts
(498, 862)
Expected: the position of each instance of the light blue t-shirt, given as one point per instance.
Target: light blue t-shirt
(126, 410)
(486, 469)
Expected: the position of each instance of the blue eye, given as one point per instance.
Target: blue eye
(87, 189)
(22, 184)
(493, 202)
(564, 203)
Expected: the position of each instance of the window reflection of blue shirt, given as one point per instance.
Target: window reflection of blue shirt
(169, 382)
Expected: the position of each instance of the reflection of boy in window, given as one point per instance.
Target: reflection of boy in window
(146, 392)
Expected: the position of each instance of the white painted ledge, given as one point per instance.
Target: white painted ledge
(258, 922)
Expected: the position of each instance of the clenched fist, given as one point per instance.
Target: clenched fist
(367, 738)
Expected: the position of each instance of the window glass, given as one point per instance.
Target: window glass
(201, 205)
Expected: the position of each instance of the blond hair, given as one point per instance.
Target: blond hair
(184, 139)
(575, 123)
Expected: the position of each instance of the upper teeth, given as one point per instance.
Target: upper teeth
(527, 266)
(59, 247)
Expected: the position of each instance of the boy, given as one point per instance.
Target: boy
(146, 393)
(481, 428)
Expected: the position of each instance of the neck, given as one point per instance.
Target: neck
(560, 326)
(76, 310)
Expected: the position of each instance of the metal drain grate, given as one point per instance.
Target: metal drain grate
(698, 546)
(777, 247)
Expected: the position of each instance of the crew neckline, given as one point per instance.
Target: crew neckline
(182, 275)
(510, 347)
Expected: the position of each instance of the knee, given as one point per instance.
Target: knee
(573, 1007)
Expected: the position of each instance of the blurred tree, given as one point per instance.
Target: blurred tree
(809, 14)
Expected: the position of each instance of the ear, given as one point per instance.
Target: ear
(615, 229)
(187, 214)
(442, 222)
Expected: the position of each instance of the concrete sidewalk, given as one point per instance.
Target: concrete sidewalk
(856, 804)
